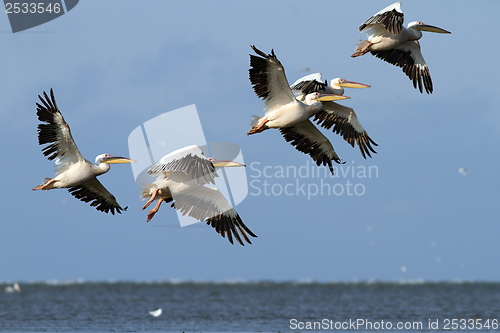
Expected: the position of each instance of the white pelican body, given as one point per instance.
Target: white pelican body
(287, 115)
(391, 42)
(73, 171)
(78, 173)
(285, 112)
(335, 87)
(182, 178)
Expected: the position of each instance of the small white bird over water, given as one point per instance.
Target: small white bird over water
(73, 171)
(14, 288)
(391, 42)
(156, 313)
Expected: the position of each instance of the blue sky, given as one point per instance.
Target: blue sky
(115, 65)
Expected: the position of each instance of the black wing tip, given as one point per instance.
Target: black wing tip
(341, 126)
(49, 102)
(119, 209)
(365, 145)
(100, 204)
(313, 86)
(258, 72)
(48, 131)
(231, 226)
(110, 209)
(420, 76)
(391, 20)
(263, 54)
(48, 108)
(306, 146)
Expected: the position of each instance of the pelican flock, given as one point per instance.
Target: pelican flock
(390, 41)
(287, 113)
(182, 176)
(72, 170)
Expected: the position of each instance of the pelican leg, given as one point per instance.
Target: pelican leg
(260, 127)
(153, 211)
(362, 48)
(151, 199)
(44, 185)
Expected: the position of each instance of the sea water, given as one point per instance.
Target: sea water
(250, 307)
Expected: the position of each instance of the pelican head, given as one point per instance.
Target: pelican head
(225, 163)
(106, 158)
(425, 27)
(327, 97)
(347, 84)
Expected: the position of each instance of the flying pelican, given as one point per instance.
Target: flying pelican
(335, 87)
(391, 42)
(343, 119)
(182, 176)
(73, 171)
(287, 113)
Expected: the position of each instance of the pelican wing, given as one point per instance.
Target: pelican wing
(345, 122)
(410, 59)
(92, 191)
(268, 79)
(189, 160)
(312, 82)
(308, 139)
(56, 133)
(391, 18)
(208, 204)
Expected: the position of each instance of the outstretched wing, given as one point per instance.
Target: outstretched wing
(208, 204)
(189, 160)
(306, 138)
(92, 191)
(410, 59)
(268, 79)
(391, 18)
(345, 122)
(56, 133)
(312, 82)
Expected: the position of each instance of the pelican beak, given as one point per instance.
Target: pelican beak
(350, 84)
(431, 28)
(330, 97)
(116, 160)
(224, 163)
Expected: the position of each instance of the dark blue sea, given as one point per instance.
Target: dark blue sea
(250, 307)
